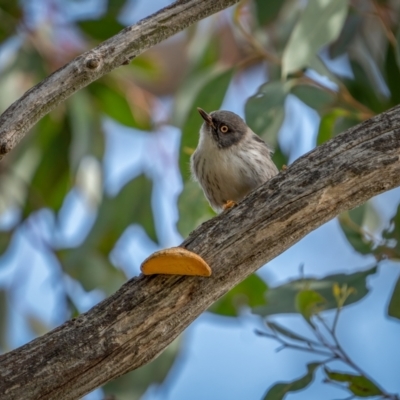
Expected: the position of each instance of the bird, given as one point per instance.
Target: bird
(230, 159)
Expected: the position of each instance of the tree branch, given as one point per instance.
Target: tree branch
(89, 66)
(135, 324)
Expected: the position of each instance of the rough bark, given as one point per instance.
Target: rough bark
(89, 66)
(135, 324)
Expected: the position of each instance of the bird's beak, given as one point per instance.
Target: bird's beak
(207, 117)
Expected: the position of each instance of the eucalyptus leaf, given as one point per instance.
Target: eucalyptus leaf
(113, 102)
(250, 292)
(316, 98)
(265, 110)
(267, 11)
(101, 29)
(309, 302)
(319, 25)
(358, 385)
(281, 299)
(394, 304)
(280, 390)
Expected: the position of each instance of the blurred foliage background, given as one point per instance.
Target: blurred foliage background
(103, 180)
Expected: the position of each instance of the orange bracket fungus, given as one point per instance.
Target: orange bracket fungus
(175, 261)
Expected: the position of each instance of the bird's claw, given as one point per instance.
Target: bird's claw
(229, 204)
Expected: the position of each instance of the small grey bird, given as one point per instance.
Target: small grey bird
(230, 160)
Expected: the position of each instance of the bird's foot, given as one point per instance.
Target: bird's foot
(229, 204)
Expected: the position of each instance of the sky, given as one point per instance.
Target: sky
(221, 358)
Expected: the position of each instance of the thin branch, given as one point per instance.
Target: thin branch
(86, 68)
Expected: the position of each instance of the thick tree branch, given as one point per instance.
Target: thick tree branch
(86, 68)
(135, 324)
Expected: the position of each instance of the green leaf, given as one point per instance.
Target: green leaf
(267, 11)
(394, 304)
(326, 129)
(210, 98)
(286, 332)
(193, 208)
(265, 110)
(319, 100)
(133, 385)
(281, 299)
(391, 235)
(309, 302)
(132, 205)
(114, 7)
(10, 16)
(351, 223)
(250, 292)
(113, 102)
(358, 385)
(397, 49)
(279, 158)
(320, 24)
(363, 89)
(101, 29)
(280, 390)
(392, 73)
(350, 28)
(87, 133)
(52, 178)
(5, 238)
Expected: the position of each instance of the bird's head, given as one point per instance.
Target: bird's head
(225, 127)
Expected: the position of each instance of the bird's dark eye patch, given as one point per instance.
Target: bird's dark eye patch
(223, 128)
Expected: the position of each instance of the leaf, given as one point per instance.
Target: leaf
(394, 304)
(114, 7)
(210, 98)
(391, 235)
(319, 100)
(309, 302)
(193, 208)
(392, 73)
(267, 11)
(326, 129)
(132, 205)
(351, 223)
(350, 28)
(265, 110)
(133, 385)
(358, 385)
(280, 390)
(320, 24)
(363, 89)
(5, 238)
(87, 133)
(250, 292)
(397, 49)
(101, 29)
(52, 178)
(281, 299)
(286, 332)
(114, 103)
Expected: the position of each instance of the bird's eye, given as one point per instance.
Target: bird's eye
(224, 128)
